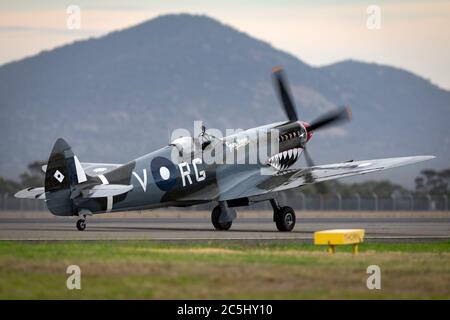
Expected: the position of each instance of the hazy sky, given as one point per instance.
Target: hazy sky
(414, 34)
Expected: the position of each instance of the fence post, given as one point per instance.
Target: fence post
(394, 207)
(445, 202)
(5, 201)
(303, 200)
(358, 201)
(320, 202)
(430, 202)
(339, 197)
(411, 198)
(375, 198)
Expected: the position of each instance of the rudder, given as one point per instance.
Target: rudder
(63, 173)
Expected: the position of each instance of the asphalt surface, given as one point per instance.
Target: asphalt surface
(181, 229)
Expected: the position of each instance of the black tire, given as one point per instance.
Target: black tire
(81, 224)
(215, 220)
(285, 219)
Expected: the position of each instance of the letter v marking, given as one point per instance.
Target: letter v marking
(143, 183)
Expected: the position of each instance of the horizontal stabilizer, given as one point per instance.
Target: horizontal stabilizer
(106, 190)
(98, 191)
(94, 169)
(31, 193)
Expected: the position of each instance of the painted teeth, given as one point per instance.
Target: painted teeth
(285, 159)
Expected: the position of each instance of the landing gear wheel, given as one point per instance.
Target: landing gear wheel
(81, 224)
(285, 219)
(215, 220)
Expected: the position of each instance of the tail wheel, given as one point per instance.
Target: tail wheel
(215, 215)
(81, 224)
(285, 219)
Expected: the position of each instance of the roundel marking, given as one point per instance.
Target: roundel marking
(164, 173)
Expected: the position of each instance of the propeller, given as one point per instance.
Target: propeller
(283, 93)
(335, 116)
(282, 88)
(320, 187)
(308, 158)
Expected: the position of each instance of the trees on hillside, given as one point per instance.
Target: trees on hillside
(33, 177)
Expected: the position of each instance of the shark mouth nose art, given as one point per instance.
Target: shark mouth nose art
(285, 159)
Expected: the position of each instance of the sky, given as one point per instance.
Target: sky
(414, 35)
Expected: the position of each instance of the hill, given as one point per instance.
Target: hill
(117, 97)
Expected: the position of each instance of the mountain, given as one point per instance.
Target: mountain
(117, 97)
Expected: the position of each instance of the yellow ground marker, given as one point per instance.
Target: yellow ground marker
(338, 237)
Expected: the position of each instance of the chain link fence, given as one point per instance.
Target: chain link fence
(334, 202)
(337, 202)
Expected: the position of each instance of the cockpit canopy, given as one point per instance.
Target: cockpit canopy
(188, 145)
(185, 145)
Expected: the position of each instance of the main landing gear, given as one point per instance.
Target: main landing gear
(215, 215)
(222, 216)
(284, 217)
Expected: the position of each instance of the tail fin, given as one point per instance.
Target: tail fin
(64, 171)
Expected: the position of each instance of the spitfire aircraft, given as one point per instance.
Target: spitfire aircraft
(178, 175)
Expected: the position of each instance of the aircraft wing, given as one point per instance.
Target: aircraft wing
(94, 169)
(261, 182)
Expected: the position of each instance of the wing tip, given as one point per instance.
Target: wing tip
(426, 157)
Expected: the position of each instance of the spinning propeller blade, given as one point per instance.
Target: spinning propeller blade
(333, 117)
(283, 93)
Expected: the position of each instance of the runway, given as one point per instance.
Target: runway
(200, 229)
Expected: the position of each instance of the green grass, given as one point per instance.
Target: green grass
(146, 270)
